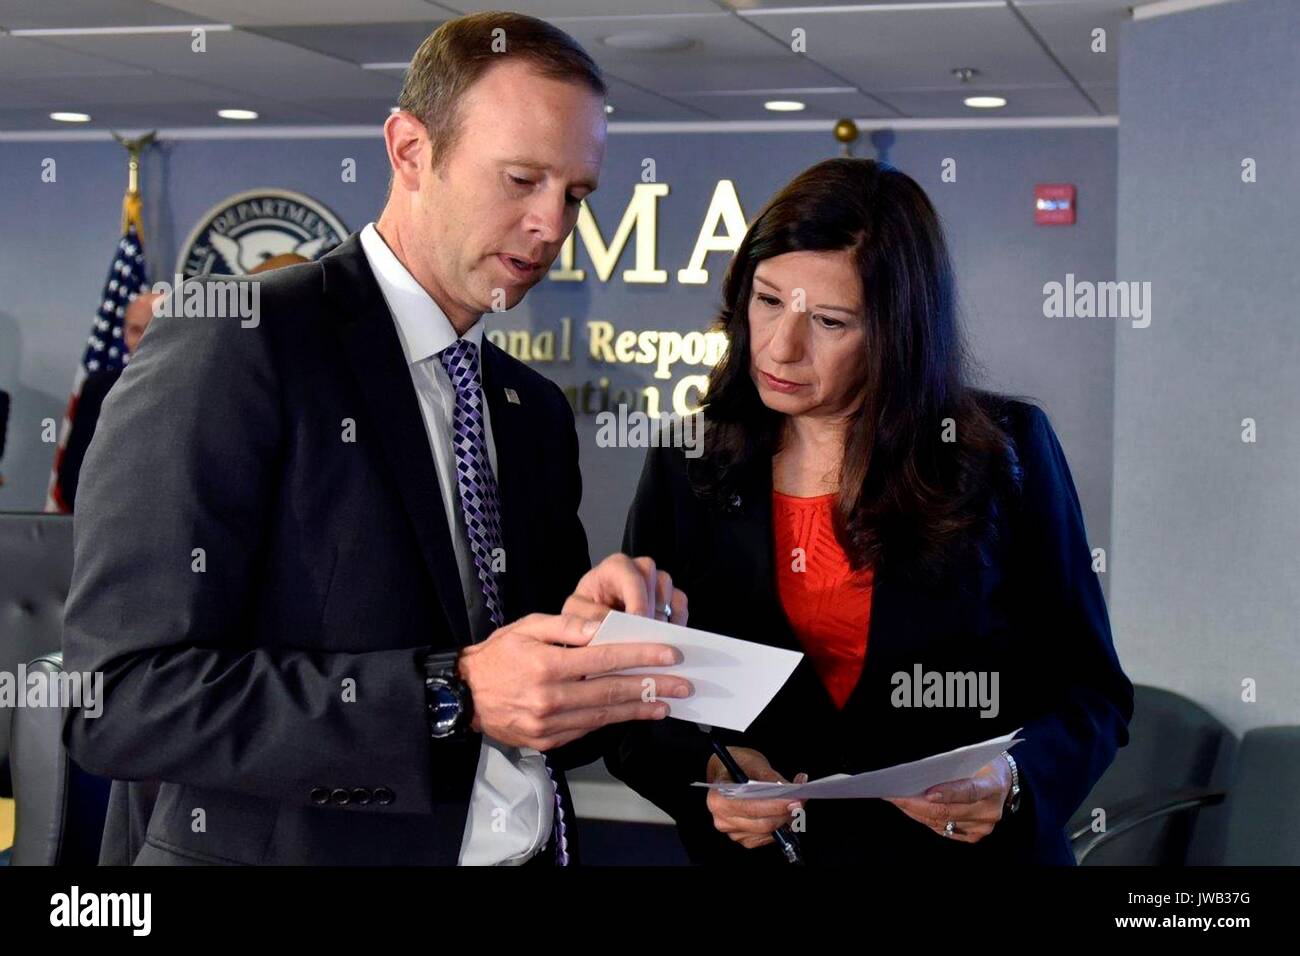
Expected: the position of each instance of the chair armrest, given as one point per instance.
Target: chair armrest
(1136, 811)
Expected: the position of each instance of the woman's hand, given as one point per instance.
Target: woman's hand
(749, 822)
(633, 585)
(974, 804)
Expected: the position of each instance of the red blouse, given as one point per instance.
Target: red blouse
(829, 606)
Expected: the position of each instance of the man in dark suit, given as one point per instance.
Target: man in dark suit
(297, 575)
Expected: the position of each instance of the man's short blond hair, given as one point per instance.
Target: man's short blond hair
(454, 56)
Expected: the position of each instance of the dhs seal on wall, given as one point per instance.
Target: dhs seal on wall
(243, 231)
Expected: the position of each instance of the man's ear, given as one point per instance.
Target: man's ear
(407, 142)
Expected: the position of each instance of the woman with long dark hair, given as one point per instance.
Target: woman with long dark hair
(919, 540)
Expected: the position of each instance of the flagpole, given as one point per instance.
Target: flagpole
(132, 208)
(126, 279)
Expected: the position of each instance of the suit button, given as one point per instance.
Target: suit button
(319, 795)
(360, 795)
(384, 796)
(341, 797)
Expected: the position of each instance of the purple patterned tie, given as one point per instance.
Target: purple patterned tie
(481, 506)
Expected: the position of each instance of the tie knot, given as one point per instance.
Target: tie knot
(460, 359)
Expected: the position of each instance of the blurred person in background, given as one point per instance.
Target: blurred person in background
(94, 390)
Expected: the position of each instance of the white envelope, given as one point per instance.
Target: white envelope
(733, 679)
(902, 780)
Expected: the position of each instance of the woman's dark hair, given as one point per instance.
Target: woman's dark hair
(908, 498)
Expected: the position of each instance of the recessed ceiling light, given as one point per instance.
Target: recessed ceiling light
(238, 114)
(71, 117)
(608, 108)
(783, 106)
(984, 102)
(648, 41)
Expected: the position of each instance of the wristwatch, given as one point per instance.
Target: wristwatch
(447, 698)
(1013, 798)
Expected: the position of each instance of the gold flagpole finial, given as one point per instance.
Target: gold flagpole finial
(846, 131)
(132, 210)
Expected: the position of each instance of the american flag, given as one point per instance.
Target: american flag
(105, 349)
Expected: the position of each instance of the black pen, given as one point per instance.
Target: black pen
(785, 837)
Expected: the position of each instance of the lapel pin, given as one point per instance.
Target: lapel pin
(512, 396)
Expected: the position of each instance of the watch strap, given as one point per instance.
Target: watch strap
(440, 671)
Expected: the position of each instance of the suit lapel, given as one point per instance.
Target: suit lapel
(510, 435)
(744, 532)
(901, 633)
(373, 351)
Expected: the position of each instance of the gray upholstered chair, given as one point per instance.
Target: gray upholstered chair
(35, 572)
(1262, 828)
(1163, 795)
(59, 808)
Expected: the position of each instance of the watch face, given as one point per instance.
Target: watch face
(444, 707)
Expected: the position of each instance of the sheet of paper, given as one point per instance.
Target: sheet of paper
(733, 679)
(902, 780)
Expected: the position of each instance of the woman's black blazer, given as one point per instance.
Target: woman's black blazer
(1025, 604)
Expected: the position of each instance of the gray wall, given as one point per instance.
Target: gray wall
(1205, 590)
(58, 238)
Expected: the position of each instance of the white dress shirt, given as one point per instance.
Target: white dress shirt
(512, 803)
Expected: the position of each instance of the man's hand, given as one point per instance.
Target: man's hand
(974, 804)
(536, 683)
(749, 822)
(632, 585)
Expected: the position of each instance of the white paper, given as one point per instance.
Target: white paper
(903, 780)
(733, 679)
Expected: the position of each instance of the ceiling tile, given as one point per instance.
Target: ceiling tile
(895, 49)
(28, 59)
(1068, 28)
(1106, 98)
(632, 104)
(747, 6)
(70, 14)
(239, 61)
(560, 9)
(727, 54)
(358, 42)
(285, 12)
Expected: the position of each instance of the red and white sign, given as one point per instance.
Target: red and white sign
(1054, 204)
